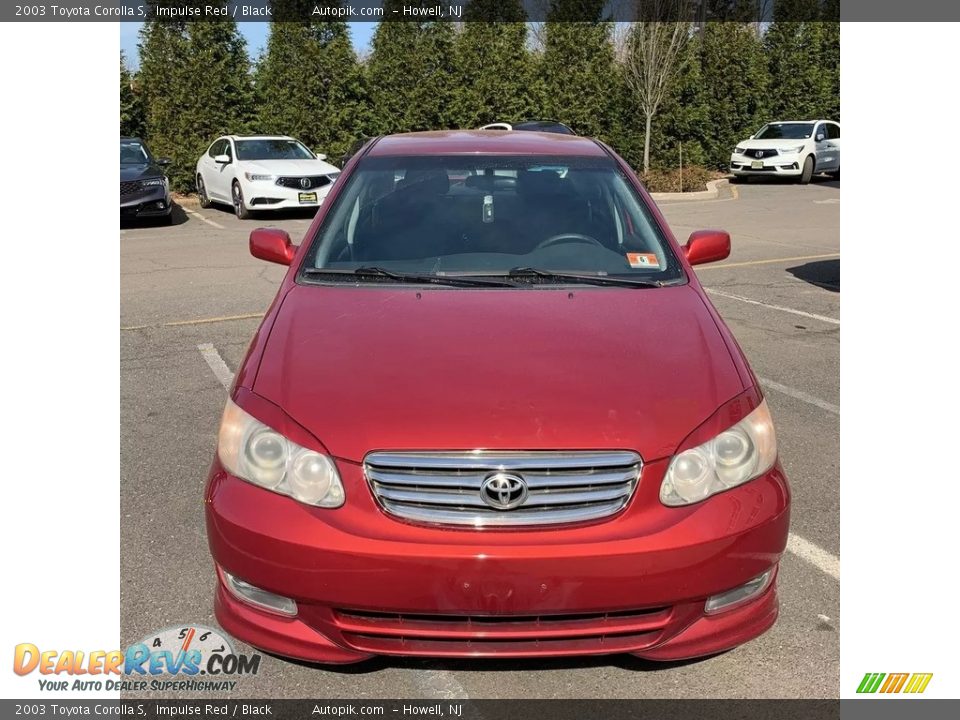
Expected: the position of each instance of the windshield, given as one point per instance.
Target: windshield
(133, 152)
(785, 131)
(277, 149)
(488, 216)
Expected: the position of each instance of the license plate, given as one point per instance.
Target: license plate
(308, 197)
(757, 165)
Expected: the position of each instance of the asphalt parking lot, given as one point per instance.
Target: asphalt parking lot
(191, 294)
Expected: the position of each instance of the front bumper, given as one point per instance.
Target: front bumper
(267, 195)
(367, 584)
(150, 202)
(788, 165)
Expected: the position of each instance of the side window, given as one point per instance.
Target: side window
(819, 131)
(216, 148)
(833, 131)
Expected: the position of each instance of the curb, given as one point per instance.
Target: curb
(713, 189)
(186, 200)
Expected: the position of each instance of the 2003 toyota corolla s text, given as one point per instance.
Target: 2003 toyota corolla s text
(492, 413)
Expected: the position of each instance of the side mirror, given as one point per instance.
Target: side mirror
(820, 137)
(164, 161)
(752, 137)
(321, 156)
(272, 245)
(222, 159)
(706, 246)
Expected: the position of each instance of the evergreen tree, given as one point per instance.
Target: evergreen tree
(735, 85)
(795, 49)
(410, 73)
(310, 85)
(200, 87)
(131, 107)
(494, 69)
(578, 70)
(830, 58)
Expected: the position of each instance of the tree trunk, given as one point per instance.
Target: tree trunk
(646, 147)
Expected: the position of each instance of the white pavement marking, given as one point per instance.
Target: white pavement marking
(800, 395)
(830, 201)
(792, 311)
(216, 363)
(815, 555)
(439, 684)
(205, 219)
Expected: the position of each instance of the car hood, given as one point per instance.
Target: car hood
(374, 368)
(140, 171)
(289, 167)
(770, 144)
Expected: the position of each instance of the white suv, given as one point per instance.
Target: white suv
(262, 172)
(797, 148)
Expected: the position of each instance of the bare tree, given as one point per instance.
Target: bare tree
(650, 51)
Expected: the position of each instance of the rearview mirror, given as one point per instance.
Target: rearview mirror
(272, 245)
(706, 246)
(222, 159)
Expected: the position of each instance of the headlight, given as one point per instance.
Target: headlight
(790, 150)
(259, 454)
(254, 177)
(739, 150)
(741, 453)
(161, 181)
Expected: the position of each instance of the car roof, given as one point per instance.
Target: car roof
(490, 142)
(784, 122)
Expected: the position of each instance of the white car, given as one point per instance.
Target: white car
(262, 172)
(795, 148)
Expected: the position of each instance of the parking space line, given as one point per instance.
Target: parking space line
(216, 363)
(205, 219)
(815, 555)
(781, 308)
(771, 261)
(800, 395)
(198, 321)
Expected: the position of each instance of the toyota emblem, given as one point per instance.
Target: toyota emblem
(503, 491)
(305, 183)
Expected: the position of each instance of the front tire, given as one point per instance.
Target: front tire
(205, 201)
(807, 171)
(240, 208)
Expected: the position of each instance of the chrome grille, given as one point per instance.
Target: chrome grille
(448, 488)
(312, 181)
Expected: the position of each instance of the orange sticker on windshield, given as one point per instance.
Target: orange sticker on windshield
(643, 260)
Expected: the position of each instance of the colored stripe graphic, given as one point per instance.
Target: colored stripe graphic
(895, 682)
(918, 682)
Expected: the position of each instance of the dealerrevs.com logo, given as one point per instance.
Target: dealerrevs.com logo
(911, 683)
(191, 658)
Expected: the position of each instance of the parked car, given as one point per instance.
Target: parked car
(144, 187)
(494, 420)
(533, 126)
(262, 172)
(794, 148)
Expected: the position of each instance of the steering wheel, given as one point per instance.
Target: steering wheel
(569, 237)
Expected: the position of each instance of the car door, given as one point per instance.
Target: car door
(210, 169)
(223, 172)
(833, 142)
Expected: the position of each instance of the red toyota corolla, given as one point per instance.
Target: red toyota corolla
(492, 413)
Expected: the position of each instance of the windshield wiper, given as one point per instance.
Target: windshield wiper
(564, 277)
(403, 277)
